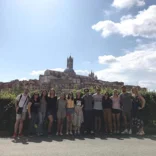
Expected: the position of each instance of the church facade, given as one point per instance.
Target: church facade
(69, 80)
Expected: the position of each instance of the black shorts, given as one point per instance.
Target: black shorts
(116, 111)
(98, 113)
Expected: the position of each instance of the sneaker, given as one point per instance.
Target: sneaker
(57, 133)
(61, 133)
(14, 135)
(130, 131)
(71, 133)
(92, 132)
(67, 133)
(125, 132)
(20, 135)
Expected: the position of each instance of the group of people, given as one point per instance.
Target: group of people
(90, 110)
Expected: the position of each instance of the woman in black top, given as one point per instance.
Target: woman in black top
(33, 108)
(107, 109)
(138, 105)
(51, 109)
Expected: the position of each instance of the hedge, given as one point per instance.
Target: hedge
(7, 111)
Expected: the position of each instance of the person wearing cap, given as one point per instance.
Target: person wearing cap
(21, 110)
(87, 101)
(126, 106)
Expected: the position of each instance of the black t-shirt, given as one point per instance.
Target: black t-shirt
(35, 105)
(78, 102)
(106, 103)
(52, 104)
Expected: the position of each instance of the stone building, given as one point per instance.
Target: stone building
(62, 81)
(70, 80)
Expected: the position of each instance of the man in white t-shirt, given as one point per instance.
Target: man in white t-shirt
(21, 109)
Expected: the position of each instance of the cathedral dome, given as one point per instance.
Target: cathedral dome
(69, 71)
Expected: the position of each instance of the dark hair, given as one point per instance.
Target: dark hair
(32, 98)
(123, 86)
(80, 94)
(64, 95)
(46, 96)
(71, 96)
(107, 94)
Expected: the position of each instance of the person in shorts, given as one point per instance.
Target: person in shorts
(126, 105)
(61, 113)
(70, 113)
(116, 111)
(21, 110)
(98, 110)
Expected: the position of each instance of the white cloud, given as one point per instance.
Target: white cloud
(137, 67)
(142, 25)
(107, 59)
(121, 4)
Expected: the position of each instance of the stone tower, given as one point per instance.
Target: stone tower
(69, 69)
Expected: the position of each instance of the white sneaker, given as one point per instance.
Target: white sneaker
(71, 133)
(67, 133)
(57, 133)
(130, 131)
(61, 133)
(92, 132)
(125, 132)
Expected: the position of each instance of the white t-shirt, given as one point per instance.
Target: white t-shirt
(23, 101)
(97, 101)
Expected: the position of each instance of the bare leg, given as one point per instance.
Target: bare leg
(16, 126)
(110, 120)
(118, 121)
(21, 126)
(58, 125)
(50, 117)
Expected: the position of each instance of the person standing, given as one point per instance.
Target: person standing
(61, 113)
(42, 110)
(116, 110)
(33, 109)
(88, 112)
(78, 115)
(126, 105)
(98, 110)
(70, 114)
(107, 110)
(138, 105)
(21, 110)
(51, 109)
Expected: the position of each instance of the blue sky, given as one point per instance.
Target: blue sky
(40, 34)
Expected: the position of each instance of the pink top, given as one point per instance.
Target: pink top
(116, 102)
